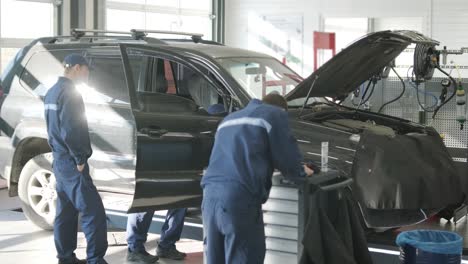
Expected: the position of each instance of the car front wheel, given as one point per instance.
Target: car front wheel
(36, 189)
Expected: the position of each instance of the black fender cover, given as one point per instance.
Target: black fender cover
(412, 171)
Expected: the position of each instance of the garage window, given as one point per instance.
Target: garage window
(182, 15)
(20, 23)
(347, 30)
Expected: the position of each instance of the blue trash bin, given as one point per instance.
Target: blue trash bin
(430, 247)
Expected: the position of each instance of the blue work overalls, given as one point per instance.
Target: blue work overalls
(249, 145)
(69, 139)
(138, 225)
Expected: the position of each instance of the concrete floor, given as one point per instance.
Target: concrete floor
(22, 242)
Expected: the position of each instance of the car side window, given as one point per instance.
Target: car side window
(192, 85)
(43, 69)
(163, 76)
(106, 82)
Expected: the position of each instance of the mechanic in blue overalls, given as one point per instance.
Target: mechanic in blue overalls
(249, 145)
(67, 128)
(138, 225)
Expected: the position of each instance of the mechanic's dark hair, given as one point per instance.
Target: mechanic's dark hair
(276, 100)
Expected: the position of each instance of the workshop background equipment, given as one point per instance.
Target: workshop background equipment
(461, 108)
(288, 209)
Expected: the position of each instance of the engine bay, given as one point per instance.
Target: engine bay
(357, 121)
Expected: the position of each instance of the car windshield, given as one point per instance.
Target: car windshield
(261, 76)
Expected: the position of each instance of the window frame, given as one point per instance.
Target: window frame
(112, 102)
(164, 10)
(151, 78)
(190, 63)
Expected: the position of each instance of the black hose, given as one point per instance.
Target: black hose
(365, 92)
(359, 104)
(419, 101)
(411, 79)
(399, 96)
(370, 95)
(454, 83)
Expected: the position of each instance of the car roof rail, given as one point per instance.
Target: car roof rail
(54, 40)
(81, 32)
(47, 40)
(196, 37)
(209, 42)
(132, 34)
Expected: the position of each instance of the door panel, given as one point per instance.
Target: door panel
(112, 165)
(174, 134)
(111, 123)
(172, 151)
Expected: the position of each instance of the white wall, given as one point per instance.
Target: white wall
(443, 20)
(450, 22)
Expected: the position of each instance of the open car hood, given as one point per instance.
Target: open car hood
(357, 63)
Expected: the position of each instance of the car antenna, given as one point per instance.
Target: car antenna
(308, 94)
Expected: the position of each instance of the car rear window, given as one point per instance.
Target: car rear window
(106, 81)
(10, 71)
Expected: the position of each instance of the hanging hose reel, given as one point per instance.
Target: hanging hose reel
(426, 59)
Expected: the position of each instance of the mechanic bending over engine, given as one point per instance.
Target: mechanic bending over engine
(249, 145)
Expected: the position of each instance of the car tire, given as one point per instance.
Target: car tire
(36, 190)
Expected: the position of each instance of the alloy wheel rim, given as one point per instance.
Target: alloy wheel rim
(42, 194)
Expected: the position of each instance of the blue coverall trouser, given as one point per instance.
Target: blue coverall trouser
(138, 225)
(233, 228)
(77, 194)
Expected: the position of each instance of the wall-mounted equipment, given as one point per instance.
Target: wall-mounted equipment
(446, 52)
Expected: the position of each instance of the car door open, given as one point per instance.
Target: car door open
(175, 133)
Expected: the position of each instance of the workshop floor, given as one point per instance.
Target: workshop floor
(22, 242)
